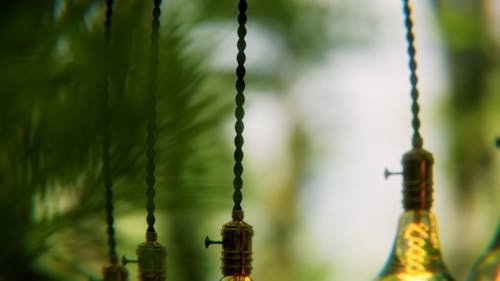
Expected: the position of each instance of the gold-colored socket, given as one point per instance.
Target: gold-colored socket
(115, 272)
(417, 179)
(236, 246)
(151, 259)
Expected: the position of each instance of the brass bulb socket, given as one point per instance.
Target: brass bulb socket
(115, 272)
(151, 258)
(236, 246)
(417, 179)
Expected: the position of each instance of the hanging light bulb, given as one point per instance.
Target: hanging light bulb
(151, 255)
(236, 249)
(237, 234)
(416, 254)
(487, 267)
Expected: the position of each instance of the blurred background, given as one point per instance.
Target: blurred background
(327, 109)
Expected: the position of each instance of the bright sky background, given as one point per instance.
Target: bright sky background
(357, 105)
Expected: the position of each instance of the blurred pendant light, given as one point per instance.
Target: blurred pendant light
(114, 271)
(487, 267)
(151, 255)
(237, 234)
(415, 255)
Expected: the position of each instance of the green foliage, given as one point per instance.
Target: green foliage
(53, 73)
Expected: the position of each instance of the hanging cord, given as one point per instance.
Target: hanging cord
(417, 140)
(151, 127)
(239, 112)
(106, 167)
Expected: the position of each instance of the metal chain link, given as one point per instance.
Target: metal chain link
(417, 140)
(239, 111)
(151, 127)
(106, 165)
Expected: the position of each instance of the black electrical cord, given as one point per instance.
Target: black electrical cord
(239, 111)
(151, 109)
(417, 140)
(106, 166)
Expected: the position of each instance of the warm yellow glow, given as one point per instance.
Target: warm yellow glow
(416, 255)
(414, 277)
(416, 236)
(235, 278)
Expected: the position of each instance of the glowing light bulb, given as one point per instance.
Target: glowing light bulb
(236, 278)
(236, 249)
(487, 268)
(416, 254)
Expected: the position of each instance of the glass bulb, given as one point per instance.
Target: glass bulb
(235, 278)
(487, 268)
(415, 254)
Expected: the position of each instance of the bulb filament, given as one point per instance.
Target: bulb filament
(416, 235)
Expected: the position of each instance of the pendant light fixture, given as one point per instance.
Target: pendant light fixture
(237, 234)
(114, 271)
(416, 254)
(151, 255)
(487, 267)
